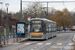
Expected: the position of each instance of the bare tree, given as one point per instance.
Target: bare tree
(34, 10)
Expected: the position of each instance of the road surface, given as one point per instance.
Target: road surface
(63, 41)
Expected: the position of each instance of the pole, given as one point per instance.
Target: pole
(20, 10)
(59, 22)
(20, 36)
(13, 36)
(52, 14)
(17, 38)
(2, 16)
(47, 11)
(2, 27)
(0, 39)
(7, 34)
(4, 36)
(67, 22)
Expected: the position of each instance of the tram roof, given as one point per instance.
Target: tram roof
(44, 19)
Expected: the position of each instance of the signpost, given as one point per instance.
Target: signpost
(13, 27)
(29, 18)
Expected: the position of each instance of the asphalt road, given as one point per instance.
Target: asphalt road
(63, 41)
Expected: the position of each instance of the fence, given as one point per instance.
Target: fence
(11, 37)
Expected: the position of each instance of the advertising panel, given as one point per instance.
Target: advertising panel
(20, 28)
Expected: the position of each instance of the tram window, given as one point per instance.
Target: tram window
(46, 29)
(49, 28)
(52, 28)
(36, 28)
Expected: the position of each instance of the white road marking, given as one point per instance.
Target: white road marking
(56, 46)
(47, 43)
(59, 43)
(71, 43)
(27, 43)
(39, 43)
(32, 49)
(69, 47)
(35, 47)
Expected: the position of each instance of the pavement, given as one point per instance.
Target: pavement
(60, 42)
(12, 41)
(55, 43)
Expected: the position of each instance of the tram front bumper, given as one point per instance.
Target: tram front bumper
(37, 37)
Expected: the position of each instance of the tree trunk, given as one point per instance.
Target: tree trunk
(63, 27)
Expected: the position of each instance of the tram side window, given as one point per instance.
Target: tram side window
(55, 27)
(49, 27)
(52, 27)
(46, 29)
(44, 26)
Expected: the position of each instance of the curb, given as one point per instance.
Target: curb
(15, 42)
(23, 40)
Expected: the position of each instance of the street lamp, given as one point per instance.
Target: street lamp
(1, 14)
(20, 10)
(7, 33)
(52, 14)
(47, 11)
(2, 21)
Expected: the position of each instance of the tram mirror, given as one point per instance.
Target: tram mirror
(20, 28)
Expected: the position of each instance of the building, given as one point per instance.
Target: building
(11, 21)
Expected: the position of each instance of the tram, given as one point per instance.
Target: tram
(42, 28)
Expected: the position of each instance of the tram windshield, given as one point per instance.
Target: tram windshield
(36, 28)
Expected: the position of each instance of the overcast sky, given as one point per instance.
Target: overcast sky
(15, 5)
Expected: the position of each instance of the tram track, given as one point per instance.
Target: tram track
(67, 42)
(29, 45)
(47, 41)
(43, 45)
(52, 43)
(62, 47)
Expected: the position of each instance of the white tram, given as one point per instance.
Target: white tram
(42, 28)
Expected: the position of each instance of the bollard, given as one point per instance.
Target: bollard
(17, 37)
(4, 40)
(73, 38)
(0, 39)
(13, 35)
(20, 36)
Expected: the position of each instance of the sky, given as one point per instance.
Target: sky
(14, 5)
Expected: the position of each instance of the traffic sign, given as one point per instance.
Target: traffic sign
(29, 18)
